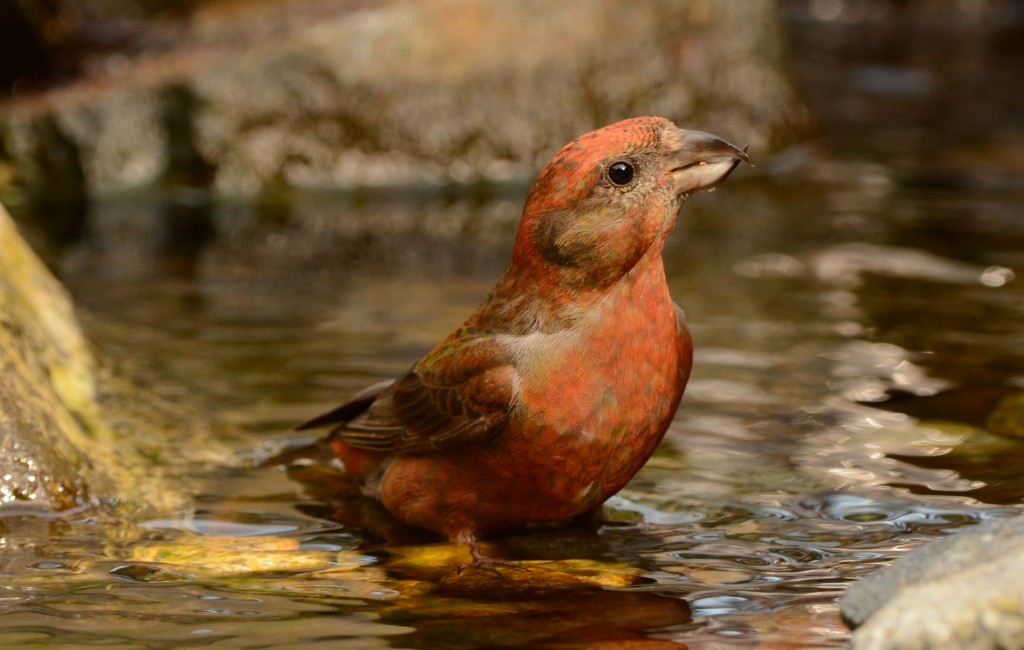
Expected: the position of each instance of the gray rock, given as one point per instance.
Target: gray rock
(435, 92)
(965, 591)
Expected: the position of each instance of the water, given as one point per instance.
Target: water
(856, 307)
(835, 420)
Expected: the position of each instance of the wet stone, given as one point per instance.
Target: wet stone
(964, 591)
(65, 419)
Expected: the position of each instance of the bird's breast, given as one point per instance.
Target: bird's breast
(594, 399)
(591, 402)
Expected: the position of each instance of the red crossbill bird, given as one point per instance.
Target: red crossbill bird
(555, 392)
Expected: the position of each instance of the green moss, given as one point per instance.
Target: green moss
(71, 433)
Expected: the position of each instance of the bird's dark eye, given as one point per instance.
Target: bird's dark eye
(620, 173)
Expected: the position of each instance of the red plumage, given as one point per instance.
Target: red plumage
(557, 390)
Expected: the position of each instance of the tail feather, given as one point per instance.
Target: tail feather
(319, 449)
(350, 409)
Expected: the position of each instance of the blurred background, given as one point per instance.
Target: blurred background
(260, 207)
(220, 116)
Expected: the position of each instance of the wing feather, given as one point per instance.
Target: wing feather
(459, 395)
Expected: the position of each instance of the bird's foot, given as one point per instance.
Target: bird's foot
(483, 561)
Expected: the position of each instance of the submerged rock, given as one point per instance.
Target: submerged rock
(965, 591)
(1008, 417)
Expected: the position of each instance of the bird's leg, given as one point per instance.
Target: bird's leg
(480, 559)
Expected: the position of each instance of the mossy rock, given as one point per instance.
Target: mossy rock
(72, 433)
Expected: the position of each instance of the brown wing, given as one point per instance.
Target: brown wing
(457, 396)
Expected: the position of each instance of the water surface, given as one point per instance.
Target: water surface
(845, 372)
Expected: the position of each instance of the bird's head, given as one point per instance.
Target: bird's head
(611, 195)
